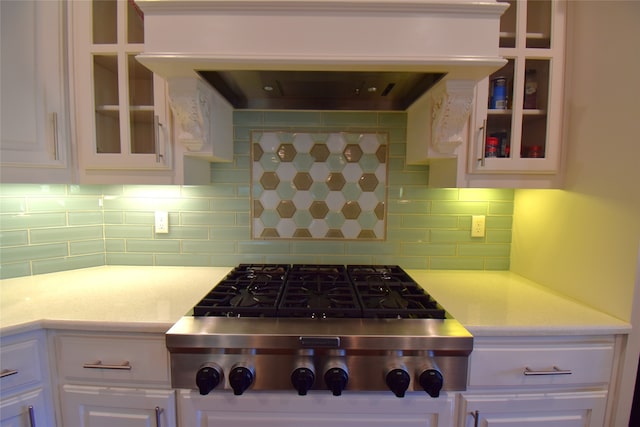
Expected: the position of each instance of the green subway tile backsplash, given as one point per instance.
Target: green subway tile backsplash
(46, 228)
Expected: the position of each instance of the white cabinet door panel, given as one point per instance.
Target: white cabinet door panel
(87, 406)
(577, 409)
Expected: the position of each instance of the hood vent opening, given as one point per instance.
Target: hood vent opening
(321, 90)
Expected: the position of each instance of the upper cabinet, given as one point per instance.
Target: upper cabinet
(516, 129)
(514, 135)
(34, 143)
(122, 125)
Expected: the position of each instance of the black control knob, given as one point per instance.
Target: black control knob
(302, 380)
(207, 378)
(240, 379)
(431, 381)
(398, 381)
(336, 380)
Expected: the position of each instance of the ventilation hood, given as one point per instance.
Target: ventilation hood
(322, 55)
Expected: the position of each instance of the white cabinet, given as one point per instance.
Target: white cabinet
(575, 409)
(88, 406)
(24, 381)
(515, 137)
(114, 379)
(314, 410)
(120, 111)
(541, 381)
(25, 409)
(34, 142)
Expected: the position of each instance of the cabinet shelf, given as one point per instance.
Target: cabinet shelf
(102, 108)
(542, 38)
(525, 112)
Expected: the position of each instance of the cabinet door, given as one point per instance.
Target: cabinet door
(290, 410)
(577, 409)
(86, 406)
(34, 138)
(120, 106)
(517, 124)
(25, 409)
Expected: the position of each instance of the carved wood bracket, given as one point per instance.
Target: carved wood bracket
(452, 103)
(190, 101)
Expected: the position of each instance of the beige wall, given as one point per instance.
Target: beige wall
(588, 235)
(584, 241)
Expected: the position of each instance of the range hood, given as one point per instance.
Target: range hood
(422, 56)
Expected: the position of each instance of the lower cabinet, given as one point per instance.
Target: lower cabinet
(123, 380)
(25, 409)
(25, 395)
(574, 409)
(549, 381)
(88, 406)
(314, 410)
(115, 380)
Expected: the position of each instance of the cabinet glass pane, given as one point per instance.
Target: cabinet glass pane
(105, 77)
(141, 107)
(499, 117)
(142, 132)
(135, 24)
(539, 24)
(140, 83)
(536, 96)
(105, 22)
(508, 25)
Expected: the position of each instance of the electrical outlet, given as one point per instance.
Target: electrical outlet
(162, 222)
(477, 225)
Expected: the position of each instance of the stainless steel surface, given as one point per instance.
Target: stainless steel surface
(314, 90)
(7, 372)
(158, 414)
(273, 347)
(554, 371)
(124, 366)
(54, 124)
(32, 416)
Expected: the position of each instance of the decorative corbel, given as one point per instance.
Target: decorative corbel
(191, 104)
(452, 101)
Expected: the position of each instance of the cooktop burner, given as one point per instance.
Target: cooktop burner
(318, 291)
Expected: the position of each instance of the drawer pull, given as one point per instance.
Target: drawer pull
(7, 372)
(554, 371)
(158, 415)
(125, 366)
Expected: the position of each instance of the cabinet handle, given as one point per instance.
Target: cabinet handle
(483, 144)
(554, 371)
(158, 413)
(125, 366)
(157, 126)
(7, 372)
(54, 120)
(476, 417)
(32, 416)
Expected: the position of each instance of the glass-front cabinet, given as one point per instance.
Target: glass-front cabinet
(120, 106)
(518, 118)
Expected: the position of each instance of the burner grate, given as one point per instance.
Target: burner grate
(249, 290)
(319, 291)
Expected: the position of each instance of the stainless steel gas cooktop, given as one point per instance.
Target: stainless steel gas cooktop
(309, 328)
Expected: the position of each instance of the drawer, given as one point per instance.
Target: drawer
(130, 359)
(20, 364)
(523, 362)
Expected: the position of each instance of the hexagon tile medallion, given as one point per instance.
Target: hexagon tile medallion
(319, 185)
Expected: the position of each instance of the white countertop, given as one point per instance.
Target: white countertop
(146, 299)
(151, 299)
(503, 303)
